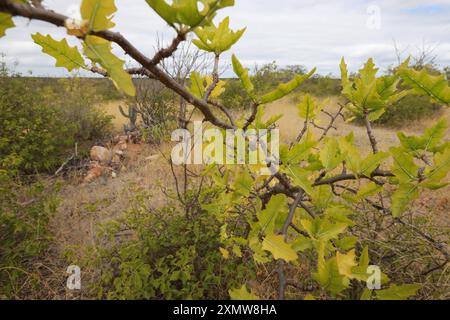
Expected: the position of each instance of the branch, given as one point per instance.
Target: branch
(167, 52)
(215, 75)
(22, 10)
(373, 140)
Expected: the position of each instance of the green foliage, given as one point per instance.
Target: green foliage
(99, 51)
(24, 233)
(40, 126)
(182, 14)
(158, 265)
(217, 39)
(368, 95)
(6, 22)
(423, 83)
(284, 89)
(33, 137)
(98, 14)
(242, 73)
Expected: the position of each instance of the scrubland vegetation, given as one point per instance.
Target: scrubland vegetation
(350, 192)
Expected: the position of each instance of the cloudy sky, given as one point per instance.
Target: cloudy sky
(313, 33)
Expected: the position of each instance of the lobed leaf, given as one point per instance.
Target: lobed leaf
(98, 14)
(99, 51)
(66, 56)
(286, 88)
(6, 22)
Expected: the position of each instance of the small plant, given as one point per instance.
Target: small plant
(132, 116)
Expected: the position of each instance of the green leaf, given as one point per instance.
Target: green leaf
(328, 275)
(242, 294)
(404, 167)
(299, 177)
(99, 51)
(423, 83)
(243, 183)
(352, 155)
(330, 155)
(441, 167)
(242, 73)
(6, 22)
(98, 13)
(429, 141)
(187, 12)
(395, 292)
(268, 217)
(344, 73)
(66, 56)
(372, 162)
(197, 87)
(402, 197)
(300, 151)
(286, 88)
(217, 39)
(279, 248)
(308, 108)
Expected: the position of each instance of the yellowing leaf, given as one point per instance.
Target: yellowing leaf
(224, 253)
(396, 292)
(217, 39)
(66, 56)
(279, 248)
(423, 83)
(330, 154)
(346, 262)
(99, 51)
(6, 22)
(98, 13)
(242, 294)
(242, 73)
(402, 197)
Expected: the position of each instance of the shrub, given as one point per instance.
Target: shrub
(40, 126)
(159, 265)
(24, 235)
(410, 108)
(33, 136)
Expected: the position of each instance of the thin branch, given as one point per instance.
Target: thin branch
(215, 75)
(373, 140)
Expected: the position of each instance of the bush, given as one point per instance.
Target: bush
(159, 265)
(33, 136)
(410, 108)
(155, 105)
(76, 102)
(40, 126)
(24, 235)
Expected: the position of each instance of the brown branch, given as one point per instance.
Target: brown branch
(167, 52)
(252, 117)
(284, 232)
(215, 75)
(373, 140)
(332, 121)
(27, 11)
(224, 110)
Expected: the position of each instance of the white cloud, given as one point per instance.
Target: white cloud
(308, 32)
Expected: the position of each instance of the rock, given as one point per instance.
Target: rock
(114, 175)
(116, 159)
(101, 154)
(95, 171)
